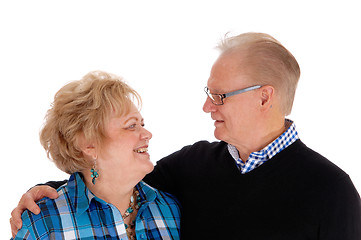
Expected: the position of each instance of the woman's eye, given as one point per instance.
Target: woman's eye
(134, 125)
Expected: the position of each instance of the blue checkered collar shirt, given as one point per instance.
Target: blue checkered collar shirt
(256, 159)
(82, 202)
(79, 214)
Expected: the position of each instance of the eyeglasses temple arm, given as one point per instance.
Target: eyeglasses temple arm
(241, 91)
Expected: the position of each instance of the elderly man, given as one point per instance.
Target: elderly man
(260, 181)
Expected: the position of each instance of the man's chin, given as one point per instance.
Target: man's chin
(218, 135)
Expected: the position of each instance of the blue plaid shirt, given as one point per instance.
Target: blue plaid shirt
(256, 159)
(78, 214)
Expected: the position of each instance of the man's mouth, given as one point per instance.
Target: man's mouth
(218, 122)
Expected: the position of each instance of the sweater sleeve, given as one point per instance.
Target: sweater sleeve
(54, 184)
(342, 212)
(161, 177)
(167, 172)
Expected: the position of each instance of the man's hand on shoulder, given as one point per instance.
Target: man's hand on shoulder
(27, 201)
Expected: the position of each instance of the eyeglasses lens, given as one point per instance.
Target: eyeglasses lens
(215, 98)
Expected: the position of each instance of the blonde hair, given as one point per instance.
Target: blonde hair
(83, 107)
(267, 62)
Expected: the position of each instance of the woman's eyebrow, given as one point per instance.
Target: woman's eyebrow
(129, 119)
(135, 118)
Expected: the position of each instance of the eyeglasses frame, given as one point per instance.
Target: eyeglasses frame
(225, 95)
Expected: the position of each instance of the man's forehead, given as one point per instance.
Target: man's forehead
(221, 83)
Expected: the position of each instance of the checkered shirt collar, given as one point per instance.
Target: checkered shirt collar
(256, 159)
(81, 197)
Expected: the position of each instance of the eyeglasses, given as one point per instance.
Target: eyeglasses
(217, 99)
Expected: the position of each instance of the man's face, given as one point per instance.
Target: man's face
(236, 119)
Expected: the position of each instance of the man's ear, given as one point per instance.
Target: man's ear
(267, 93)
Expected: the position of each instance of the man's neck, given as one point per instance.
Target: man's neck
(260, 140)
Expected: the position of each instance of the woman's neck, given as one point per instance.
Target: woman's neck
(112, 191)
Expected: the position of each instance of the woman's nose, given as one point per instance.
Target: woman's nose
(146, 134)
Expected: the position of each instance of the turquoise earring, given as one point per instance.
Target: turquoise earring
(94, 172)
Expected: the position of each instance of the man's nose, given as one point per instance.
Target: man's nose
(208, 106)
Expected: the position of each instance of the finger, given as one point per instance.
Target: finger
(31, 205)
(35, 194)
(44, 191)
(51, 193)
(15, 220)
(27, 201)
(13, 229)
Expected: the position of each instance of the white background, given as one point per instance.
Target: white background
(165, 50)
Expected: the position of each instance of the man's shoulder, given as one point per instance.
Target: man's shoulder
(204, 147)
(312, 163)
(201, 152)
(208, 144)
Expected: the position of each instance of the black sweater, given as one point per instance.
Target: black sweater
(298, 194)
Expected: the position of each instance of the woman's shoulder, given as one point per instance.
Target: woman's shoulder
(168, 198)
(160, 207)
(62, 193)
(48, 207)
(50, 212)
(156, 196)
(160, 210)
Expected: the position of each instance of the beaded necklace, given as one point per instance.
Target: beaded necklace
(131, 212)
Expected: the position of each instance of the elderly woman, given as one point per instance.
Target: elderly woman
(95, 132)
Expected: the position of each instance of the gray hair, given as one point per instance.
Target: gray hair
(268, 62)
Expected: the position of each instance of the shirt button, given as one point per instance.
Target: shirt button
(142, 236)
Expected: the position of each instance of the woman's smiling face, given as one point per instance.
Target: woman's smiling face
(125, 146)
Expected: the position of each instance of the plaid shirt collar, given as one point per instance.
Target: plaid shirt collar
(81, 197)
(256, 159)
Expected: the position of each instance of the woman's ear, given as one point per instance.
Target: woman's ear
(88, 148)
(90, 151)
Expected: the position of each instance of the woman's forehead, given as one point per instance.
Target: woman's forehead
(132, 113)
